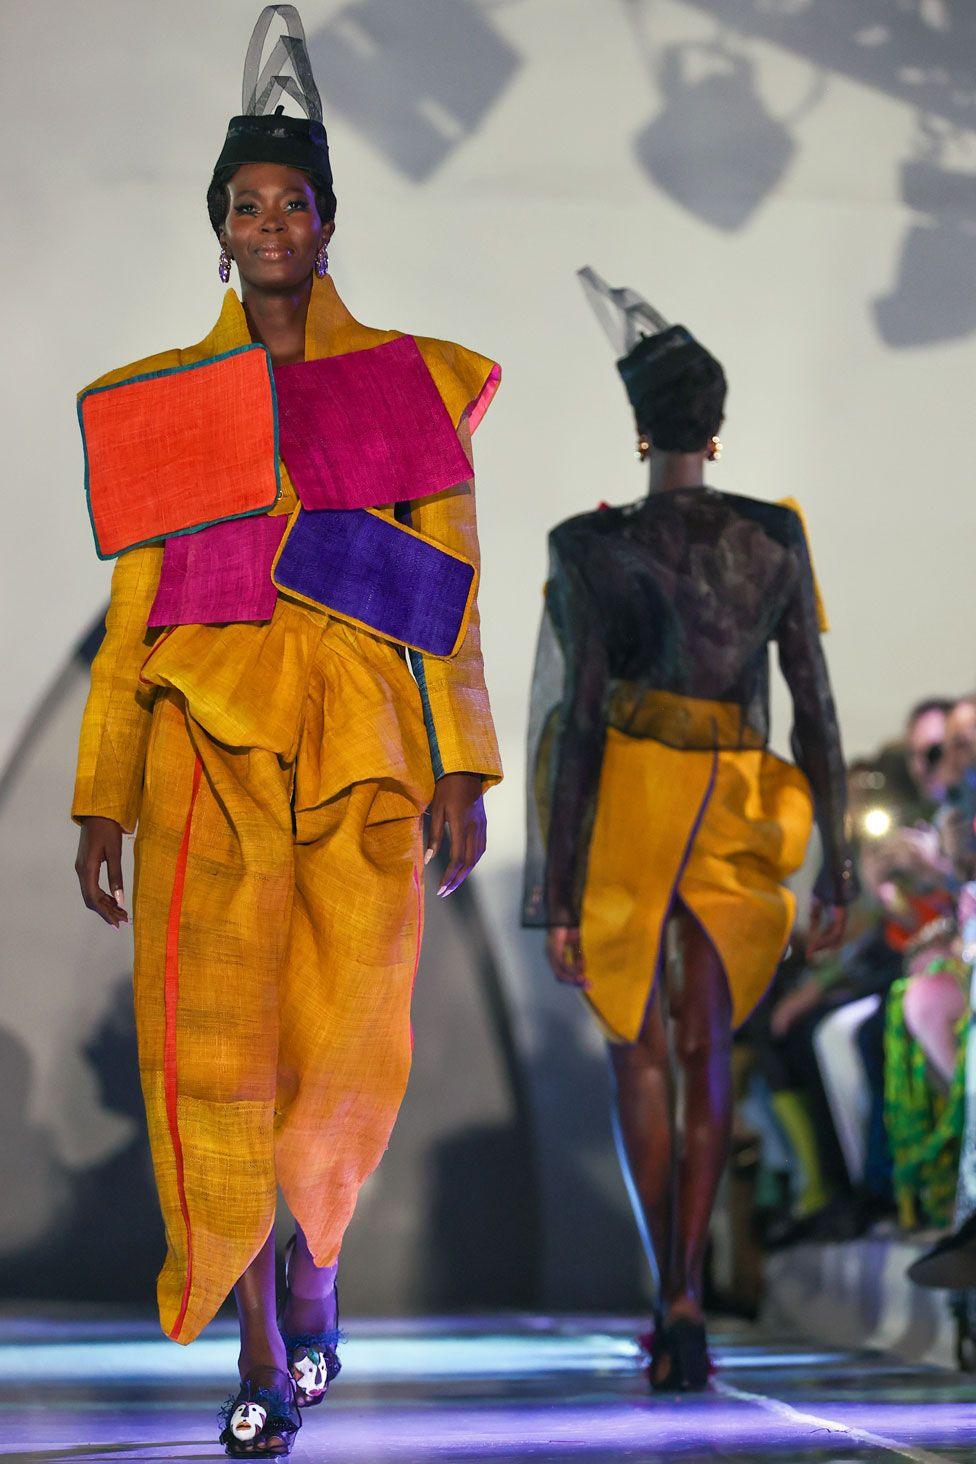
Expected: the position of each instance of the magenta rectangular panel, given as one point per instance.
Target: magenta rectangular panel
(220, 574)
(367, 429)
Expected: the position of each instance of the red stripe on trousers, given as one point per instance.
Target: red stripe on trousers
(171, 996)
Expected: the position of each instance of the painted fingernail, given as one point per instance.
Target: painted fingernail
(118, 896)
(442, 891)
(428, 857)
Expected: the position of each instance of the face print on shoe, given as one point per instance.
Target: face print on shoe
(247, 1421)
(309, 1371)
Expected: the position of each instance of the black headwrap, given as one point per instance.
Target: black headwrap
(676, 388)
(263, 134)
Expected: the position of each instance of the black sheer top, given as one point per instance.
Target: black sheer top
(658, 621)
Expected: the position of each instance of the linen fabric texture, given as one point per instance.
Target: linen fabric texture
(367, 429)
(171, 449)
(361, 566)
(650, 717)
(277, 934)
(277, 771)
(720, 831)
(219, 574)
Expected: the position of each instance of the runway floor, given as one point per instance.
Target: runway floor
(499, 1389)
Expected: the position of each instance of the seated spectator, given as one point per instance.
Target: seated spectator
(927, 1009)
(840, 1187)
(924, 1077)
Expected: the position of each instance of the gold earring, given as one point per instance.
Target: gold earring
(642, 450)
(715, 449)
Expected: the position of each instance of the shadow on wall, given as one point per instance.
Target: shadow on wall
(415, 77)
(569, 1243)
(715, 148)
(105, 1239)
(918, 51)
(934, 294)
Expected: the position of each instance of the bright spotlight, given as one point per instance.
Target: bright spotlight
(877, 822)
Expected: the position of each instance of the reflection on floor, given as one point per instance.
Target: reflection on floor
(505, 1390)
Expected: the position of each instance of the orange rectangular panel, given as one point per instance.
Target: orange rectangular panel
(175, 450)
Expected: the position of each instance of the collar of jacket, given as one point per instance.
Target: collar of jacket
(330, 329)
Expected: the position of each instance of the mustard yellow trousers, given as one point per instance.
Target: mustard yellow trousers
(276, 944)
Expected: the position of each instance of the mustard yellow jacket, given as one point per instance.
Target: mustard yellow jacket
(244, 681)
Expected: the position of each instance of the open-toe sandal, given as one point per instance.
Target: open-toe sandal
(263, 1419)
(313, 1358)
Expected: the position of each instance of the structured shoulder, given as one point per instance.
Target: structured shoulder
(595, 523)
(465, 379)
(148, 366)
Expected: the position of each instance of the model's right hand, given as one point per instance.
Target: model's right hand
(101, 843)
(565, 956)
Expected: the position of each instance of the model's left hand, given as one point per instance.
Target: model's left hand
(458, 806)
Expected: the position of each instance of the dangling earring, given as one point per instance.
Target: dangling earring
(322, 261)
(642, 450)
(714, 449)
(223, 268)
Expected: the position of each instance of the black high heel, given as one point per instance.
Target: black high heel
(313, 1358)
(258, 1414)
(687, 1346)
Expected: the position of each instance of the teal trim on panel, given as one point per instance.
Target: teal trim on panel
(152, 376)
(416, 660)
(420, 676)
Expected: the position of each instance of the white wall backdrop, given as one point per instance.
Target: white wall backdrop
(794, 179)
(815, 226)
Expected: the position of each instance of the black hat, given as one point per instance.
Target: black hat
(661, 365)
(659, 361)
(263, 135)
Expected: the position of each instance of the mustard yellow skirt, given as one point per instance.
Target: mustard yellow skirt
(718, 830)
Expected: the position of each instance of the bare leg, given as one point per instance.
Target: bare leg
(311, 1304)
(262, 1356)
(704, 1049)
(643, 1098)
(261, 1344)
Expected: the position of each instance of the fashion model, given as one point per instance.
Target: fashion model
(291, 675)
(656, 810)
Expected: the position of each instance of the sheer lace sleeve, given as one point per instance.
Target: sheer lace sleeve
(577, 739)
(816, 734)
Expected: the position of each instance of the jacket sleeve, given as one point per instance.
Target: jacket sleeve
(453, 692)
(115, 726)
(581, 736)
(816, 734)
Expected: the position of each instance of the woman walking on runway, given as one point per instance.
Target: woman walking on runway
(292, 504)
(656, 810)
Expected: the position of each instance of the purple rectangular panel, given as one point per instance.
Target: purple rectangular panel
(367, 429)
(220, 574)
(367, 568)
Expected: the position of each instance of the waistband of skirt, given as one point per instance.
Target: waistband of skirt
(680, 721)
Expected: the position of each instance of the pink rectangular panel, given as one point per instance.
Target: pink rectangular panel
(366, 429)
(220, 574)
